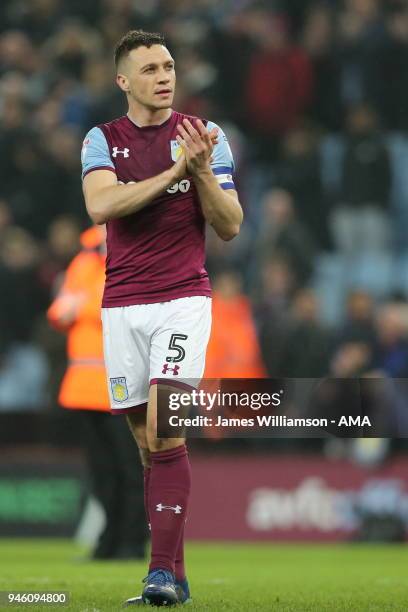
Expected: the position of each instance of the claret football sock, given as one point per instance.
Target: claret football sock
(179, 569)
(180, 572)
(146, 479)
(169, 490)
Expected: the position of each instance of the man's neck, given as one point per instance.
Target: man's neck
(145, 117)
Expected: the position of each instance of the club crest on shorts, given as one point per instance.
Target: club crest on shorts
(119, 389)
(175, 150)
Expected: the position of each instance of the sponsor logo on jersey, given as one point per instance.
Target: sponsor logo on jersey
(167, 368)
(183, 186)
(176, 509)
(175, 150)
(116, 151)
(119, 389)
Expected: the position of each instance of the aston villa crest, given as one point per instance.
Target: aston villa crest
(119, 389)
(175, 150)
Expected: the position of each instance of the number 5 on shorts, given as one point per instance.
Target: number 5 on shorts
(173, 346)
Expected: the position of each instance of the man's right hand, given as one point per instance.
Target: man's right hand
(180, 167)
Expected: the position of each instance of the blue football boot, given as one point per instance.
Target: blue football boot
(160, 589)
(182, 590)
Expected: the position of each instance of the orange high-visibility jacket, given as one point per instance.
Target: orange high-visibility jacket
(233, 350)
(77, 310)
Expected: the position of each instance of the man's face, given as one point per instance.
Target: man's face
(147, 75)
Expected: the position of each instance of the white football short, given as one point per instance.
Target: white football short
(149, 343)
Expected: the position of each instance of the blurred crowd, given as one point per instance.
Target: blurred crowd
(313, 95)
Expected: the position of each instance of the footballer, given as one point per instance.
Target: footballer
(155, 177)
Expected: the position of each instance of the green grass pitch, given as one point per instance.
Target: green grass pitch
(238, 577)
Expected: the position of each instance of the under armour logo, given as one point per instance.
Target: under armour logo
(167, 368)
(116, 151)
(177, 509)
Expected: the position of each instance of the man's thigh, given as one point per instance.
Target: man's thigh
(154, 343)
(177, 356)
(127, 358)
(179, 343)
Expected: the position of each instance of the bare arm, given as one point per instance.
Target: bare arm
(221, 208)
(106, 200)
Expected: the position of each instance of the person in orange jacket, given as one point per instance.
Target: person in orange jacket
(109, 446)
(233, 349)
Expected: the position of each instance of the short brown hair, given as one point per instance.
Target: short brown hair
(134, 39)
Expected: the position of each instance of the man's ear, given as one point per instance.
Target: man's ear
(123, 82)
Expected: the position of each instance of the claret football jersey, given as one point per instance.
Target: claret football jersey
(158, 253)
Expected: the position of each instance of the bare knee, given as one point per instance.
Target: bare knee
(137, 425)
(145, 457)
(156, 444)
(160, 444)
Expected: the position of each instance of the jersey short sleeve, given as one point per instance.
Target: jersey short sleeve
(95, 152)
(223, 162)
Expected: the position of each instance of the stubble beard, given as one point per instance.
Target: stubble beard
(151, 105)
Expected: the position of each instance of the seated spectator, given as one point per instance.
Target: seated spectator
(22, 296)
(394, 74)
(279, 85)
(5, 218)
(299, 172)
(272, 304)
(351, 360)
(359, 322)
(300, 347)
(277, 285)
(391, 351)
(283, 235)
(360, 222)
(24, 373)
(361, 39)
(308, 342)
(63, 243)
(23, 366)
(319, 39)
